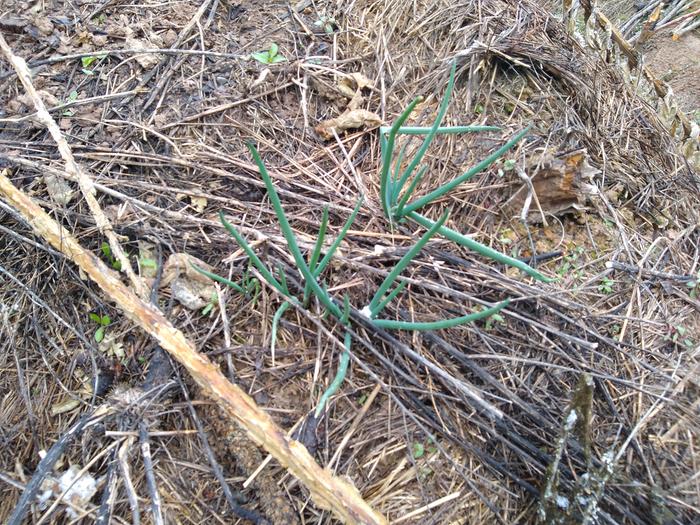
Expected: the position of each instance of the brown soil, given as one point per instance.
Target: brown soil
(677, 62)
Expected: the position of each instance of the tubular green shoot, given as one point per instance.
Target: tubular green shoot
(439, 325)
(401, 265)
(446, 188)
(479, 248)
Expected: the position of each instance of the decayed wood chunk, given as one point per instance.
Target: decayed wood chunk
(560, 183)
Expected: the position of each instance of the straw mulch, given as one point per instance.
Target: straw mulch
(165, 140)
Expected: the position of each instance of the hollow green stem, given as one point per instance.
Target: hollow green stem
(219, 279)
(409, 191)
(392, 295)
(316, 253)
(344, 360)
(446, 188)
(442, 130)
(336, 243)
(251, 255)
(339, 375)
(275, 322)
(397, 171)
(291, 239)
(403, 262)
(479, 248)
(387, 143)
(418, 157)
(439, 325)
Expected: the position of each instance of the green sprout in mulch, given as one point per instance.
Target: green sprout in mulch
(397, 187)
(102, 322)
(107, 252)
(312, 268)
(269, 56)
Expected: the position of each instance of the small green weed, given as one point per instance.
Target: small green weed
(72, 97)
(493, 320)
(417, 450)
(107, 252)
(103, 321)
(570, 261)
(87, 61)
(271, 56)
(213, 301)
(677, 334)
(606, 285)
(327, 23)
(508, 165)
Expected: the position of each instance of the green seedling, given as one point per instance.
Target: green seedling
(271, 56)
(72, 97)
(87, 61)
(107, 252)
(327, 23)
(213, 301)
(678, 335)
(417, 450)
(606, 285)
(569, 261)
(397, 187)
(103, 321)
(508, 165)
(493, 320)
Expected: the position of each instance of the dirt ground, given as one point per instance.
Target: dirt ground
(595, 196)
(678, 63)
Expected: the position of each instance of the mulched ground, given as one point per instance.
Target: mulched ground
(614, 218)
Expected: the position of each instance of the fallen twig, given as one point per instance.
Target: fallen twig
(86, 185)
(326, 490)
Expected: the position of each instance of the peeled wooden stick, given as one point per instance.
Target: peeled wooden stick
(327, 491)
(84, 181)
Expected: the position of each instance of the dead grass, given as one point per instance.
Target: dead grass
(516, 67)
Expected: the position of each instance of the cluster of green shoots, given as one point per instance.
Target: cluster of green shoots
(397, 186)
(397, 207)
(312, 268)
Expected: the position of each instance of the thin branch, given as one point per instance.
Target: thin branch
(86, 184)
(326, 490)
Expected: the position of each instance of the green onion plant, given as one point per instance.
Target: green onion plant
(397, 187)
(396, 191)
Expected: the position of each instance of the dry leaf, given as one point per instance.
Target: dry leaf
(199, 203)
(110, 347)
(120, 213)
(146, 61)
(352, 119)
(59, 189)
(77, 489)
(189, 287)
(65, 406)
